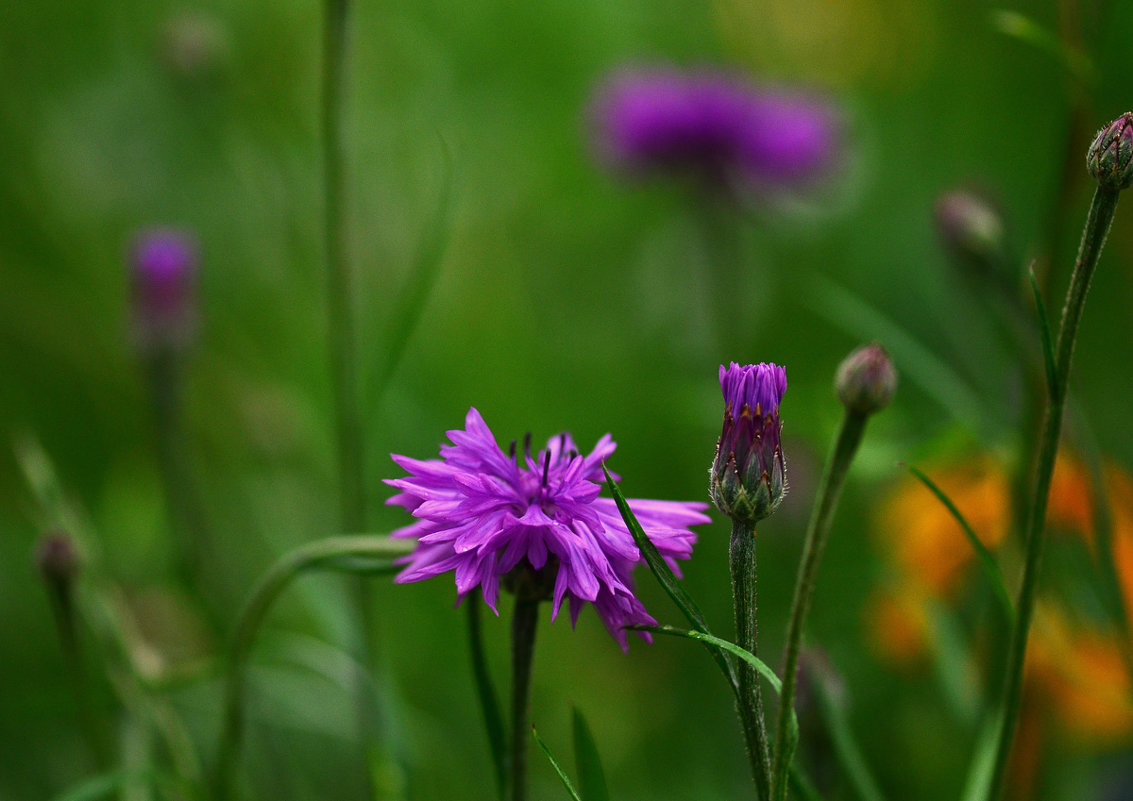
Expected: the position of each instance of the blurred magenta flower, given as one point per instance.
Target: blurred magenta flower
(715, 125)
(749, 474)
(163, 266)
(534, 523)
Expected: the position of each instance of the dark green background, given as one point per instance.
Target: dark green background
(565, 300)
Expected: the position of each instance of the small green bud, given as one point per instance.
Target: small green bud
(866, 380)
(1110, 157)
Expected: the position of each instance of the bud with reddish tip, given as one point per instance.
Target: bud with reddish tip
(749, 474)
(866, 380)
(1110, 157)
(971, 229)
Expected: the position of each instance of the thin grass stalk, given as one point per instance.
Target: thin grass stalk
(1098, 221)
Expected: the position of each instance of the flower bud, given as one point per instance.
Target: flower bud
(57, 560)
(971, 229)
(1110, 157)
(163, 268)
(866, 380)
(748, 477)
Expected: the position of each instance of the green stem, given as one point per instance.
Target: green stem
(185, 514)
(1093, 239)
(340, 284)
(486, 693)
(849, 437)
(749, 696)
(321, 553)
(523, 624)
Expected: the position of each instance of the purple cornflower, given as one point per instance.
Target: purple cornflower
(749, 474)
(715, 125)
(163, 267)
(535, 523)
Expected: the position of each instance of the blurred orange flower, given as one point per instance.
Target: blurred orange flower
(1075, 669)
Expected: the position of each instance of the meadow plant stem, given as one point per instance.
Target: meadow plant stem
(486, 694)
(749, 696)
(186, 517)
(523, 624)
(263, 596)
(849, 437)
(1093, 239)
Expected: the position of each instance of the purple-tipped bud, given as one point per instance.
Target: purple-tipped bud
(714, 126)
(866, 380)
(971, 228)
(57, 560)
(749, 477)
(1110, 157)
(163, 267)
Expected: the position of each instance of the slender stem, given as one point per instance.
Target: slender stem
(1093, 239)
(749, 695)
(486, 693)
(186, 516)
(267, 590)
(523, 623)
(340, 284)
(849, 437)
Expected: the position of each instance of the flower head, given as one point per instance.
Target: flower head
(163, 268)
(748, 473)
(714, 125)
(534, 523)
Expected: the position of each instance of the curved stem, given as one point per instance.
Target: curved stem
(749, 696)
(849, 437)
(523, 624)
(1093, 239)
(321, 553)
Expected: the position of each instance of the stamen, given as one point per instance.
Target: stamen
(546, 465)
(511, 450)
(527, 444)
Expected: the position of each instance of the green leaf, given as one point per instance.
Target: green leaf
(486, 694)
(106, 784)
(555, 764)
(741, 653)
(1044, 329)
(803, 786)
(591, 777)
(664, 575)
(987, 561)
(1021, 27)
(846, 748)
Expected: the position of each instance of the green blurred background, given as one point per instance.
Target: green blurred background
(565, 299)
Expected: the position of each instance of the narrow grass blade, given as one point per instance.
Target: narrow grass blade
(1025, 29)
(486, 694)
(846, 748)
(591, 777)
(987, 561)
(107, 784)
(411, 301)
(803, 786)
(555, 764)
(916, 360)
(1044, 329)
(740, 653)
(664, 575)
(983, 760)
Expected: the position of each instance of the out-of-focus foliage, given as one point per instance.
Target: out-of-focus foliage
(566, 299)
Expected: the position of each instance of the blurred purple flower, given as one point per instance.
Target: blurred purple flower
(535, 523)
(748, 473)
(163, 266)
(715, 125)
